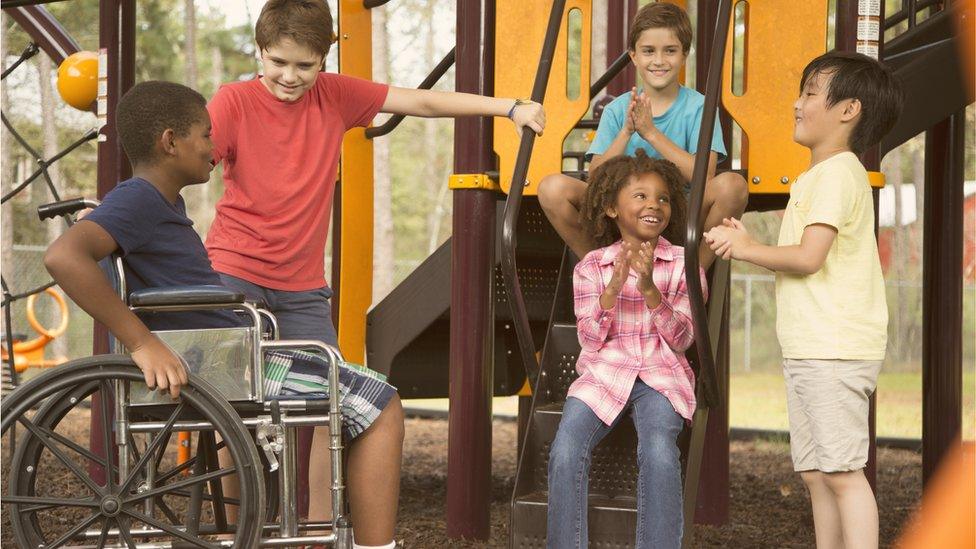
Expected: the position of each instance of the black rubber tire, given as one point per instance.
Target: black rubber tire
(86, 375)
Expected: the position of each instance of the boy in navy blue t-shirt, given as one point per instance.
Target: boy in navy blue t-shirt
(165, 130)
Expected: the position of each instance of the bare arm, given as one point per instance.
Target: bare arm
(806, 258)
(72, 261)
(619, 144)
(643, 117)
(616, 148)
(436, 104)
(684, 160)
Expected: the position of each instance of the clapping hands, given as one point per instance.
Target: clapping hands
(640, 114)
(729, 239)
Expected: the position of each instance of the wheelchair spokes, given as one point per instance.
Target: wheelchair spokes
(53, 499)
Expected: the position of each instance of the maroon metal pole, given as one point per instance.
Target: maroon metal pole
(845, 39)
(127, 71)
(619, 15)
(713, 486)
(472, 312)
(108, 177)
(108, 143)
(942, 290)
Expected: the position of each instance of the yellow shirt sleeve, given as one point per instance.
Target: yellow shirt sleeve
(832, 197)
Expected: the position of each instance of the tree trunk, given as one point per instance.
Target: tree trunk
(6, 177)
(214, 189)
(197, 197)
(6, 165)
(429, 174)
(898, 257)
(383, 236)
(598, 48)
(54, 227)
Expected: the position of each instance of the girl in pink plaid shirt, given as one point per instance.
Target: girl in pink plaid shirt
(634, 323)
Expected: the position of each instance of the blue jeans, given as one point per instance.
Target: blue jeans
(659, 502)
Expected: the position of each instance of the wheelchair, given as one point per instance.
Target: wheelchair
(126, 488)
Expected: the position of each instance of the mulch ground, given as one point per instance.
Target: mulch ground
(769, 505)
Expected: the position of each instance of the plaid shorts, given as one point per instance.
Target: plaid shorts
(301, 375)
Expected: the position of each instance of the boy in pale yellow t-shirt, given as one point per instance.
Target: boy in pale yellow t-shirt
(832, 317)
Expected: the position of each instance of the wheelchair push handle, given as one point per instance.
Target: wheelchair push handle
(64, 207)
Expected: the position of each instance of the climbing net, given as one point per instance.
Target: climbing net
(40, 174)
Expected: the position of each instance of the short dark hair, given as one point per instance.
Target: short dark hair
(307, 22)
(149, 109)
(661, 15)
(874, 85)
(609, 178)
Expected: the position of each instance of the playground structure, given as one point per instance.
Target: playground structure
(30, 353)
(493, 348)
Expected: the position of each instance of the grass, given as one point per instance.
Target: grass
(759, 402)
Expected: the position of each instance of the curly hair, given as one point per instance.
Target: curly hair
(609, 178)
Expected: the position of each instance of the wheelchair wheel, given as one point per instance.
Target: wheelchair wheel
(59, 492)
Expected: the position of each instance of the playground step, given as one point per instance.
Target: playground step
(613, 466)
(407, 332)
(612, 521)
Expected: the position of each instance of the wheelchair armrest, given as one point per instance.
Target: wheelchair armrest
(185, 295)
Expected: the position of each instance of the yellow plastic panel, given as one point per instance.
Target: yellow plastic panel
(519, 32)
(356, 169)
(781, 38)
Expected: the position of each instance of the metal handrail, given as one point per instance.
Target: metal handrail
(516, 302)
(706, 372)
(612, 71)
(428, 83)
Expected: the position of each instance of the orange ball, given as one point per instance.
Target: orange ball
(78, 79)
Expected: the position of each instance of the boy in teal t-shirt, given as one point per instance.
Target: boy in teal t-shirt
(680, 124)
(663, 119)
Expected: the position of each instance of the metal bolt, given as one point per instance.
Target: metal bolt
(526, 182)
(30, 468)
(755, 180)
(74, 400)
(784, 180)
(345, 36)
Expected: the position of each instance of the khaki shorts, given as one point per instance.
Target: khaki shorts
(827, 401)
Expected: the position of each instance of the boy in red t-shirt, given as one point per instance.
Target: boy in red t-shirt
(279, 137)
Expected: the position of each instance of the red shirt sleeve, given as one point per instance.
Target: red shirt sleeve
(225, 115)
(359, 100)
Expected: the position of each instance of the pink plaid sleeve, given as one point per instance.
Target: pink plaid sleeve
(592, 320)
(672, 316)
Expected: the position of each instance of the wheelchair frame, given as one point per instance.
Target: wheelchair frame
(56, 391)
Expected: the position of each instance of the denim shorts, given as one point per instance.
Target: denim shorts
(301, 315)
